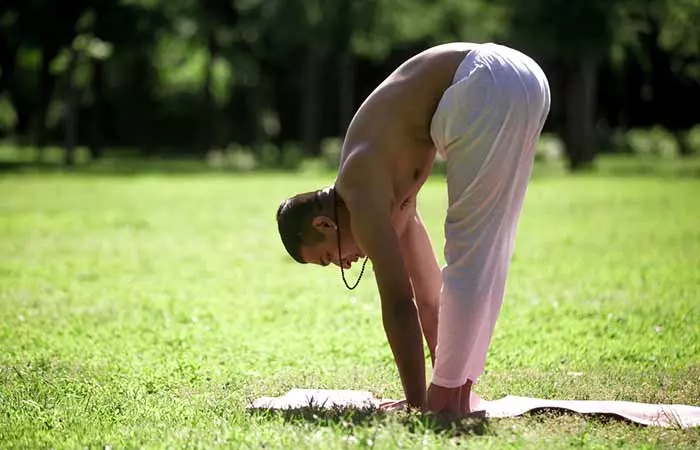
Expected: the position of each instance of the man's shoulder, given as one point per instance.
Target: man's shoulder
(360, 167)
(363, 177)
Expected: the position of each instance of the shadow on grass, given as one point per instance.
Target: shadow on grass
(476, 425)
(350, 417)
(547, 414)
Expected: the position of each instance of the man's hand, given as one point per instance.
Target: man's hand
(393, 405)
(450, 402)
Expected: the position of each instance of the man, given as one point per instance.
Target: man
(482, 106)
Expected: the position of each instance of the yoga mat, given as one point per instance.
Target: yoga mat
(662, 415)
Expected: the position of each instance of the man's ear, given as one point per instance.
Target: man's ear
(324, 224)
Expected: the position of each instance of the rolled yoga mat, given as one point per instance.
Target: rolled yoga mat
(662, 415)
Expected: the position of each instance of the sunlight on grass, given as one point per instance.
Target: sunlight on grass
(147, 311)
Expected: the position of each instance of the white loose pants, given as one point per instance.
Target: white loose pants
(486, 125)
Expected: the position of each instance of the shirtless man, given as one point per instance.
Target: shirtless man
(482, 106)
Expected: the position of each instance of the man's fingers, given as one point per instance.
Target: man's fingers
(392, 405)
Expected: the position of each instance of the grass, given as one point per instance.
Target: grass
(148, 310)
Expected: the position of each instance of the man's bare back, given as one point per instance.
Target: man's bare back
(391, 129)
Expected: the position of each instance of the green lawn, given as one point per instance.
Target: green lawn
(147, 311)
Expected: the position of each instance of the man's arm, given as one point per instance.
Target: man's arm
(370, 213)
(424, 271)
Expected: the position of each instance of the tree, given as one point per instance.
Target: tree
(576, 36)
(663, 37)
(37, 25)
(381, 27)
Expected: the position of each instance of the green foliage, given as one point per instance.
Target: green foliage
(331, 149)
(655, 141)
(674, 20)
(148, 311)
(670, 24)
(238, 158)
(181, 66)
(565, 30)
(549, 147)
(8, 115)
(234, 158)
(269, 155)
(292, 156)
(473, 21)
(222, 81)
(193, 76)
(694, 139)
(392, 23)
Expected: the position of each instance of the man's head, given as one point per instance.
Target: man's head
(308, 226)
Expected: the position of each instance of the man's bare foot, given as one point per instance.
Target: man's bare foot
(452, 403)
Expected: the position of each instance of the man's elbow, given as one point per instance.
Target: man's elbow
(430, 309)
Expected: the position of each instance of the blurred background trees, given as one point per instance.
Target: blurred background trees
(281, 77)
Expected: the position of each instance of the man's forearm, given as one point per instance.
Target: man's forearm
(405, 339)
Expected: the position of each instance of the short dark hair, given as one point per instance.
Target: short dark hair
(294, 221)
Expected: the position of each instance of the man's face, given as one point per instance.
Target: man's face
(325, 252)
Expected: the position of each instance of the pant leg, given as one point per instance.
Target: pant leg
(487, 125)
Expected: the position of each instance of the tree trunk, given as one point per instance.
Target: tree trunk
(345, 27)
(210, 130)
(258, 101)
(206, 100)
(347, 90)
(8, 60)
(684, 148)
(71, 102)
(579, 129)
(310, 102)
(96, 121)
(46, 86)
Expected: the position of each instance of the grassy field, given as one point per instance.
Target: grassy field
(147, 311)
